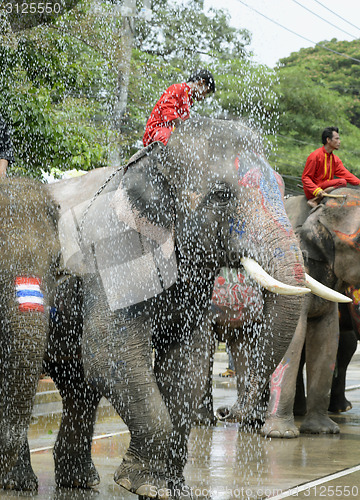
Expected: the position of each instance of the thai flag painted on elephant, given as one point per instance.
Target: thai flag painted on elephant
(29, 294)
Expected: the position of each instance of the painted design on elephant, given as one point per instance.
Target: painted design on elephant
(354, 202)
(232, 291)
(237, 226)
(276, 382)
(279, 253)
(271, 197)
(298, 271)
(351, 240)
(29, 294)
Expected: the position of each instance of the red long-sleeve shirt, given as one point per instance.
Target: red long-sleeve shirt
(320, 167)
(175, 102)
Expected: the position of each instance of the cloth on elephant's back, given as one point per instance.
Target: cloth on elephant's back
(135, 258)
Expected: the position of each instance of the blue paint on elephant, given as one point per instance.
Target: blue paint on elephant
(235, 226)
(279, 253)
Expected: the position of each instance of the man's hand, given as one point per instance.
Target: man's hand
(177, 122)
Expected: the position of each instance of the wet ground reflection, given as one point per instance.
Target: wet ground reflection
(224, 462)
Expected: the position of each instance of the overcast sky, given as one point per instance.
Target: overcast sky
(271, 42)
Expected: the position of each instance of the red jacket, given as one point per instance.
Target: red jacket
(175, 102)
(322, 166)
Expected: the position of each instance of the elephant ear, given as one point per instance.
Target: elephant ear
(316, 241)
(150, 195)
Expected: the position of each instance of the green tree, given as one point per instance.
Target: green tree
(59, 80)
(318, 88)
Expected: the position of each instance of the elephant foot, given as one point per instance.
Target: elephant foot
(339, 405)
(204, 416)
(276, 427)
(224, 414)
(136, 477)
(315, 423)
(20, 479)
(76, 473)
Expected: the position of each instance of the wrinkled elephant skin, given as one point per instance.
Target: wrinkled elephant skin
(328, 238)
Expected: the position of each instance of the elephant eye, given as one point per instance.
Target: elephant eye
(221, 195)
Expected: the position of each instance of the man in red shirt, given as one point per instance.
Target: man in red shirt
(321, 167)
(174, 106)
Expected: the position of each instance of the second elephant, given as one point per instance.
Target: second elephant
(329, 238)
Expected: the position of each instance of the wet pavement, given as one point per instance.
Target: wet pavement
(224, 462)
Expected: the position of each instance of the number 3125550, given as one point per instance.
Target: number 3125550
(33, 8)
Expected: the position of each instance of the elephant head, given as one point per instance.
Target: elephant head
(330, 239)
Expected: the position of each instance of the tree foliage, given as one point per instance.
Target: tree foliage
(58, 81)
(318, 88)
(59, 85)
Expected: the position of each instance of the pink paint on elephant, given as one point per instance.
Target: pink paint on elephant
(276, 382)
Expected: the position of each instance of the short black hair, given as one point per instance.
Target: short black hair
(203, 74)
(328, 133)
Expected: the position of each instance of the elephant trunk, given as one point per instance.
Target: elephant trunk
(282, 259)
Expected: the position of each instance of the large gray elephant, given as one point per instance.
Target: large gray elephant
(151, 241)
(29, 255)
(147, 241)
(329, 238)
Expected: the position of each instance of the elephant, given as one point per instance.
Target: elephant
(206, 199)
(349, 337)
(328, 238)
(30, 252)
(349, 334)
(235, 313)
(144, 244)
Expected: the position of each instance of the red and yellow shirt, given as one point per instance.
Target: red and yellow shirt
(320, 167)
(175, 102)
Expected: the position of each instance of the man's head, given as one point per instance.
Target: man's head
(202, 83)
(330, 138)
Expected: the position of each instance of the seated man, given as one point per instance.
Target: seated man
(321, 167)
(174, 106)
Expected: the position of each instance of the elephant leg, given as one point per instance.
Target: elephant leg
(72, 451)
(240, 352)
(24, 346)
(181, 376)
(300, 398)
(21, 477)
(279, 421)
(204, 413)
(321, 348)
(117, 354)
(346, 350)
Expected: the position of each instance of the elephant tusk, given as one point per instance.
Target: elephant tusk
(323, 291)
(266, 281)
